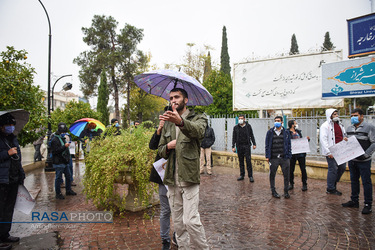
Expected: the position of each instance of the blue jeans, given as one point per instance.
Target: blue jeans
(334, 173)
(165, 213)
(363, 170)
(60, 169)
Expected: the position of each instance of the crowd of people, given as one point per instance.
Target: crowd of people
(184, 139)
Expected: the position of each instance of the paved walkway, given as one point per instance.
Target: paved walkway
(236, 215)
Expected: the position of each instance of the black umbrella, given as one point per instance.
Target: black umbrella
(21, 116)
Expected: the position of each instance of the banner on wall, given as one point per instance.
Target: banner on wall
(349, 79)
(282, 83)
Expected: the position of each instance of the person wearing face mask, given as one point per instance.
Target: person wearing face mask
(332, 132)
(11, 175)
(242, 138)
(361, 166)
(113, 129)
(278, 153)
(88, 135)
(60, 161)
(295, 133)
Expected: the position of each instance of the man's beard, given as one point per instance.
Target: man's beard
(180, 106)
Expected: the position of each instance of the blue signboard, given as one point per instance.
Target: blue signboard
(361, 31)
(349, 79)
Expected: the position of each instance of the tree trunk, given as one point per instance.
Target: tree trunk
(128, 102)
(115, 94)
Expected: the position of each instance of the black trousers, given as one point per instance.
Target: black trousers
(302, 166)
(8, 196)
(244, 152)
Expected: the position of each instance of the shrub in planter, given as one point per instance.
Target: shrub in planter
(112, 158)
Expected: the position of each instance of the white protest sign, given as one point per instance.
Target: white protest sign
(160, 166)
(72, 148)
(24, 202)
(345, 151)
(300, 145)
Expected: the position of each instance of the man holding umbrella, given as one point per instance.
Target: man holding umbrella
(11, 175)
(180, 142)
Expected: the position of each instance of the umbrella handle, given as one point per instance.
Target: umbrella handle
(175, 82)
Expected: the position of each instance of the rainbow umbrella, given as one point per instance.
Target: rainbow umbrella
(78, 126)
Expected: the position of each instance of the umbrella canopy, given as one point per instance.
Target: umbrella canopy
(78, 126)
(161, 82)
(21, 116)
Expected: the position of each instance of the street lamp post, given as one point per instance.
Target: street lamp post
(48, 161)
(66, 87)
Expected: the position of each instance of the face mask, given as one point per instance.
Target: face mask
(296, 126)
(354, 120)
(277, 124)
(62, 135)
(9, 129)
(240, 121)
(92, 130)
(117, 125)
(336, 119)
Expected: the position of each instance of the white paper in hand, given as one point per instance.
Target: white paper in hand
(24, 202)
(345, 151)
(160, 166)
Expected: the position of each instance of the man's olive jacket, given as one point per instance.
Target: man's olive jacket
(187, 151)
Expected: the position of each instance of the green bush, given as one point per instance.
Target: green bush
(115, 154)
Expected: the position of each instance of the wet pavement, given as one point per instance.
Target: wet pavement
(235, 214)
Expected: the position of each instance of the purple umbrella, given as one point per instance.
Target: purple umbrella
(161, 82)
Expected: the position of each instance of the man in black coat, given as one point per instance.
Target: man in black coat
(243, 138)
(11, 175)
(60, 160)
(208, 141)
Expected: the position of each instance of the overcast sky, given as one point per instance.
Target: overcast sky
(254, 28)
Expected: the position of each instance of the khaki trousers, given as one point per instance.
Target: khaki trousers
(206, 152)
(189, 230)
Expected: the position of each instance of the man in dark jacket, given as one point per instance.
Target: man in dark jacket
(278, 152)
(165, 210)
(113, 129)
(60, 160)
(208, 141)
(11, 175)
(242, 138)
(360, 167)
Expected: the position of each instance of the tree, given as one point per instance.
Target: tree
(294, 46)
(327, 44)
(207, 67)
(219, 85)
(117, 53)
(224, 58)
(103, 97)
(17, 91)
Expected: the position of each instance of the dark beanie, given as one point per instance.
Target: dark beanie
(114, 120)
(7, 119)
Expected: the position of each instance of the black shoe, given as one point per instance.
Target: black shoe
(60, 196)
(4, 246)
(367, 209)
(351, 204)
(275, 194)
(240, 178)
(11, 239)
(334, 191)
(286, 195)
(70, 192)
(166, 245)
(304, 187)
(174, 240)
(291, 186)
(251, 179)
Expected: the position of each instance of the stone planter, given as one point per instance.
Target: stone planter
(126, 177)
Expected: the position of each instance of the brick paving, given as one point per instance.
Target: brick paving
(235, 214)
